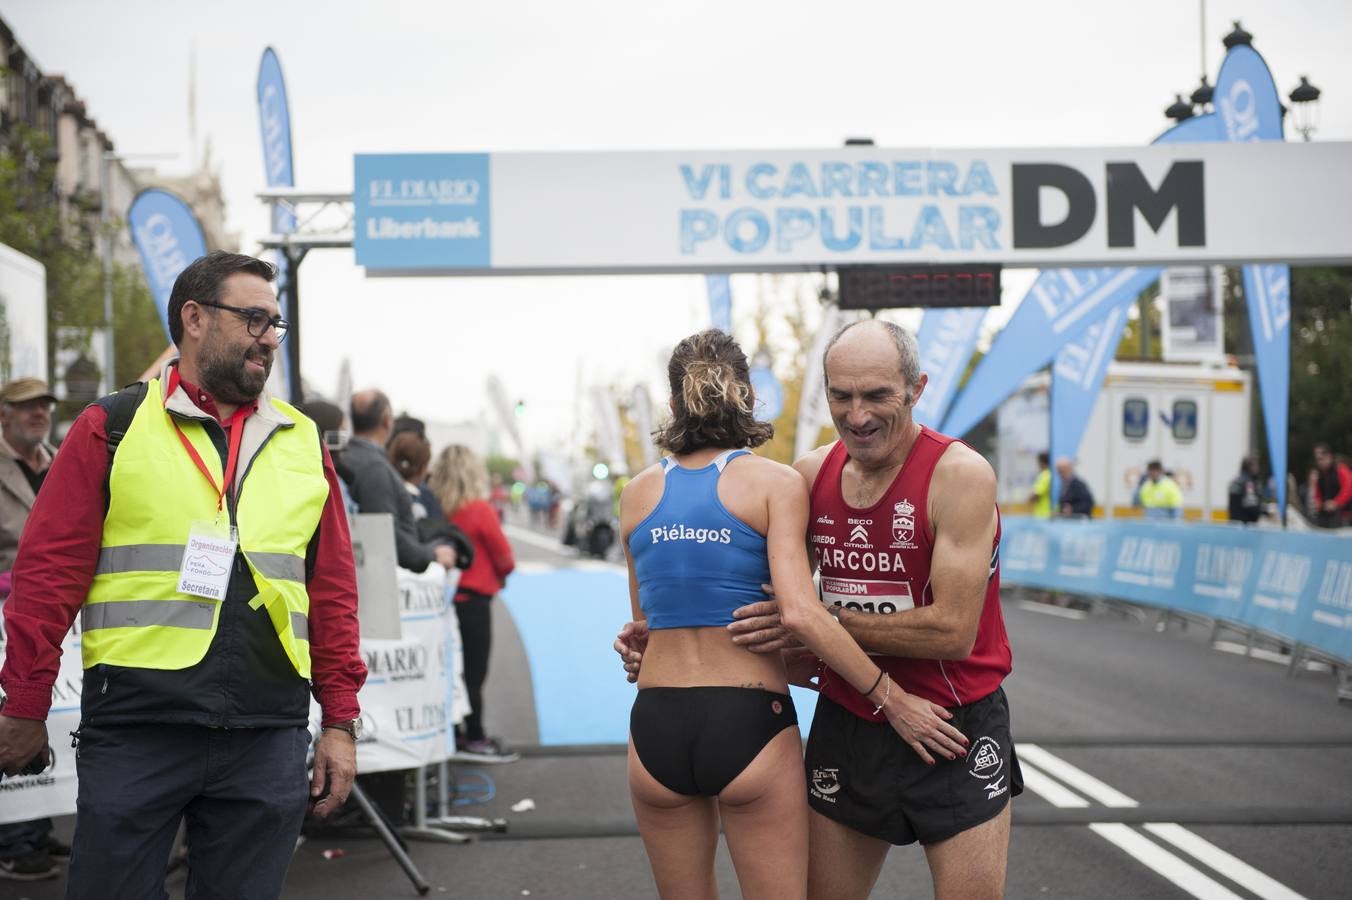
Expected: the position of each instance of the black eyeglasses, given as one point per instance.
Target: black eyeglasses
(256, 320)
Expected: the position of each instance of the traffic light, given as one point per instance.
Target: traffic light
(520, 408)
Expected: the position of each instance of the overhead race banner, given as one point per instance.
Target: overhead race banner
(1077, 376)
(1057, 309)
(720, 302)
(168, 236)
(274, 120)
(946, 340)
(477, 213)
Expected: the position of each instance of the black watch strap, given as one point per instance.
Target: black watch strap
(349, 726)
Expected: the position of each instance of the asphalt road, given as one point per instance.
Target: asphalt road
(1156, 767)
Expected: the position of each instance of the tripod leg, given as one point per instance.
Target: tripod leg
(391, 841)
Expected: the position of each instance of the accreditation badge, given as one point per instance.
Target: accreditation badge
(207, 558)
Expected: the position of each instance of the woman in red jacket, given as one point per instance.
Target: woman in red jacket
(460, 482)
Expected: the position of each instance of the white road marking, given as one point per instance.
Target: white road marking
(1187, 877)
(1047, 789)
(1047, 609)
(1079, 779)
(1236, 869)
(1163, 862)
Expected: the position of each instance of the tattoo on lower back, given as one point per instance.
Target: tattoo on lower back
(759, 685)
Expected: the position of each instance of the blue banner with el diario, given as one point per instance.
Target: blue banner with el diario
(1294, 586)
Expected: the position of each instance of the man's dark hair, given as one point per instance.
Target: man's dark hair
(1044, 459)
(407, 423)
(367, 417)
(1155, 464)
(202, 280)
(327, 416)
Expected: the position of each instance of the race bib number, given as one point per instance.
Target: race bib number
(867, 596)
(207, 559)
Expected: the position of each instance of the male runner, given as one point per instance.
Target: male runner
(906, 534)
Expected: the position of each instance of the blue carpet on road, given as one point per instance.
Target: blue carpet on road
(567, 620)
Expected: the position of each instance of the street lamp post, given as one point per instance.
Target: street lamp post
(1305, 107)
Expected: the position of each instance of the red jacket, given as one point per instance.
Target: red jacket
(60, 549)
(1344, 495)
(493, 560)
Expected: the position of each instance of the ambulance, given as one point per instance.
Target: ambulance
(1193, 418)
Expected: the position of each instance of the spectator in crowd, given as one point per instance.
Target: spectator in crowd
(332, 425)
(201, 664)
(1041, 497)
(1076, 499)
(1330, 489)
(460, 481)
(377, 487)
(498, 496)
(1246, 493)
(410, 453)
(27, 849)
(1159, 495)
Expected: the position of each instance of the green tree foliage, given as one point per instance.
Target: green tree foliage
(1321, 371)
(33, 222)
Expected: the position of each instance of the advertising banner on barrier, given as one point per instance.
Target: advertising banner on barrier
(1296, 587)
(51, 793)
(168, 237)
(720, 302)
(414, 692)
(946, 339)
(792, 210)
(413, 697)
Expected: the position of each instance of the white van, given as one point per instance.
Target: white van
(1192, 418)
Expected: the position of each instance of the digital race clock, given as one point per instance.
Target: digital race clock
(884, 287)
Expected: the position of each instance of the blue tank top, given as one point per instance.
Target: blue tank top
(695, 561)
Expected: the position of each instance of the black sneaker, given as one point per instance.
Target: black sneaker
(58, 850)
(486, 751)
(35, 866)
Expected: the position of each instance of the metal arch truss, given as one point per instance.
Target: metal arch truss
(323, 219)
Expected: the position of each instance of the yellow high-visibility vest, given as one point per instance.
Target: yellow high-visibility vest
(134, 616)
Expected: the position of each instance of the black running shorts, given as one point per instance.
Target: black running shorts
(863, 775)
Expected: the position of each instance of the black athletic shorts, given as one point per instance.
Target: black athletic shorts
(863, 775)
(696, 740)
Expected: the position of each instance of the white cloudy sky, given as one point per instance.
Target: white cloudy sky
(538, 75)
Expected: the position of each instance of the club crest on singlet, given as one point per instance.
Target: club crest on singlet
(903, 525)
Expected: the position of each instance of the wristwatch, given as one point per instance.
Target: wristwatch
(351, 726)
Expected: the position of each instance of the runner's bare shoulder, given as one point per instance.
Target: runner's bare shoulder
(961, 476)
(809, 464)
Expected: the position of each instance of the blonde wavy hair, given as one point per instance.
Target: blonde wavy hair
(713, 404)
(458, 476)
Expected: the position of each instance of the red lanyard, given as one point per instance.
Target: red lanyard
(232, 457)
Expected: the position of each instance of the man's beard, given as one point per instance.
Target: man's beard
(225, 376)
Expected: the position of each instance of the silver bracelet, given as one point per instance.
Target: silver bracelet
(886, 690)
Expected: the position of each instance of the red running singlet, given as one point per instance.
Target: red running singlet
(877, 560)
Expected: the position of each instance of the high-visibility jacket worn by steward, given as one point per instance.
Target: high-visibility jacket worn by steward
(134, 616)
